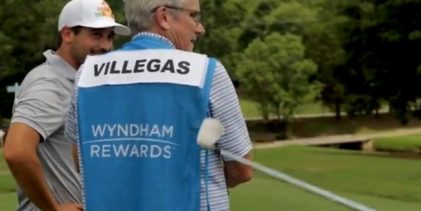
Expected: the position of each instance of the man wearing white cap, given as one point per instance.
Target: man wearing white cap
(36, 150)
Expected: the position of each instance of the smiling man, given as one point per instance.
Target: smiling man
(36, 150)
(156, 80)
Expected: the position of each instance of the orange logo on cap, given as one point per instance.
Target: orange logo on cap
(105, 10)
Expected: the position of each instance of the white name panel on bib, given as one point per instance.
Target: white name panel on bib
(144, 66)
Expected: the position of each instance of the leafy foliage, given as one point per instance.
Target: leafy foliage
(381, 64)
(363, 49)
(275, 73)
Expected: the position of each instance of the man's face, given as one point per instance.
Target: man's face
(186, 27)
(90, 41)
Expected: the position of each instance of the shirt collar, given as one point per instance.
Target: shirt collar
(153, 35)
(60, 64)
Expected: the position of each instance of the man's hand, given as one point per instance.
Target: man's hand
(237, 173)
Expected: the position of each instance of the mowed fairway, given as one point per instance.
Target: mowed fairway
(7, 187)
(380, 182)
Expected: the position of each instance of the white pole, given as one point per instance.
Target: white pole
(284, 177)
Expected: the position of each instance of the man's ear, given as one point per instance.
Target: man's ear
(161, 17)
(66, 34)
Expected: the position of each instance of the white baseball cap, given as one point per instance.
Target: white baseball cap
(91, 14)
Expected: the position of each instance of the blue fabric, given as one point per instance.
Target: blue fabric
(146, 42)
(138, 142)
(211, 66)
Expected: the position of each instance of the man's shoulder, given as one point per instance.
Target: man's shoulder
(42, 76)
(43, 72)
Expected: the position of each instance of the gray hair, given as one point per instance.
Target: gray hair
(138, 12)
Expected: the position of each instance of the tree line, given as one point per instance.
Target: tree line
(358, 55)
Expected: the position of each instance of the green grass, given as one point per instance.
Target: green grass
(7, 183)
(251, 108)
(402, 143)
(312, 108)
(266, 194)
(8, 200)
(3, 165)
(384, 183)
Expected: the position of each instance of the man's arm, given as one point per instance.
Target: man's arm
(237, 173)
(20, 153)
(226, 108)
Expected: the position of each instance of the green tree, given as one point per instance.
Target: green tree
(382, 36)
(275, 73)
(222, 21)
(319, 24)
(324, 41)
(26, 30)
(358, 76)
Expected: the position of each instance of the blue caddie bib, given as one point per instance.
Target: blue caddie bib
(139, 112)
